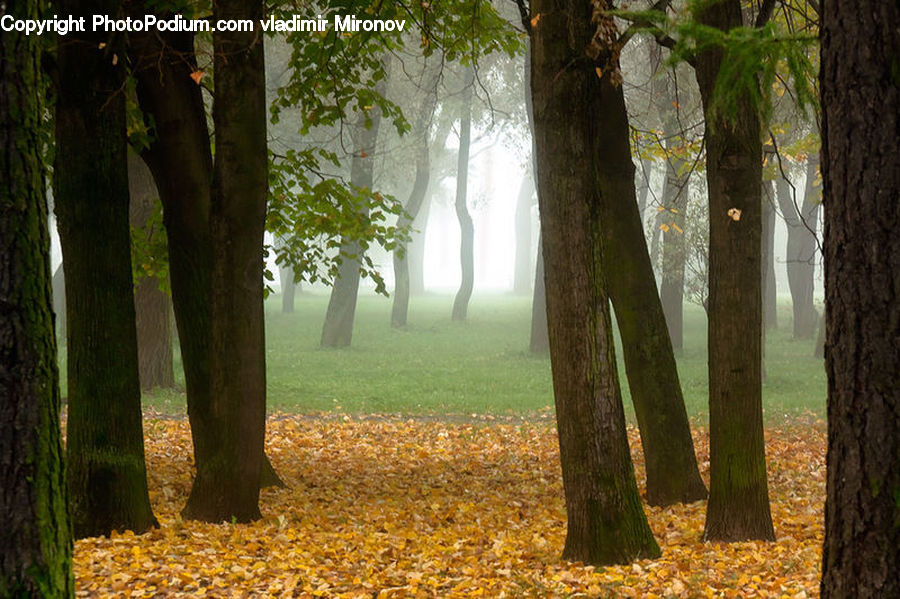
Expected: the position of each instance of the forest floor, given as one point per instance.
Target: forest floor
(424, 507)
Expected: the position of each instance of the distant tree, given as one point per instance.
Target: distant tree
(860, 83)
(105, 448)
(466, 227)
(539, 340)
(769, 283)
(35, 534)
(606, 522)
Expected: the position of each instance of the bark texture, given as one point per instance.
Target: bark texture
(152, 306)
(606, 522)
(105, 448)
(738, 506)
(466, 227)
(227, 484)
(860, 82)
(35, 535)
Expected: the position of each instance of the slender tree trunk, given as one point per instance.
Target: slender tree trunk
(738, 506)
(522, 274)
(606, 522)
(860, 82)
(337, 331)
(540, 340)
(819, 350)
(288, 289)
(801, 250)
(769, 286)
(163, 65)
(152, 306)
(59, 300)
(106, 475)
(227, 485)
(672, 473)
(466, 227)
(673, 248)
(35, 535)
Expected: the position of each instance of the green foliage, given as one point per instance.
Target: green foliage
(149, 250)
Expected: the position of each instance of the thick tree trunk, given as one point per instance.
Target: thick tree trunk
(860, 82)
(227, 485)
(801, 250)
(337, 331)
(35, 535)
(522, 273)
(163, 65)
(738, 496)
(672, 473)
(152, 306)
(606, 522)
(107, 475)
(770, 289)
(466, 227)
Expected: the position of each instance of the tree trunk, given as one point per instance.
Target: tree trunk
(59, 300)
(860, 83)
(337, 331)
(163, 65)
(606, 522)
(227, 485)
(540, 340)
(152, 306)
(801, 250)
(35, 535)
(288, 289)
(769, 286)
(466, 227)
(106, 473)
(738, 506)
(673, 246)
(522, 274)
(819, 351)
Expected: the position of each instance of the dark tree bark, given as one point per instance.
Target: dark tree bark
(738, 496)
(163, 65)
(466, 227)
(769, 285)
(540, 340)
(337, 331)
(672, 473)
(227, 485)
(801, 249)
(860, 83)
(606, 523)
(522, 273)
(35, 535)
(106, 474)
(152, 306)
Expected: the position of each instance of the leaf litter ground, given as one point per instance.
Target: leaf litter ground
(389, 507)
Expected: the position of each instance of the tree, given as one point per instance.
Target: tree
(227, 485)
(106, 470)
(606, 523)
(466, 227)
(35, 534)
(738, 506)
(152, 305)
(860, 83)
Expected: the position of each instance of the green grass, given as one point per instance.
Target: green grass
(482, 366)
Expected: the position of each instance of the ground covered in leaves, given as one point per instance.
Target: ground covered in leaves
(388, 507)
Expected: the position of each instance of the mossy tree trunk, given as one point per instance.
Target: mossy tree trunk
(466, 227)
(35, 534)
(860, 83)
(606, 522)
(227, 484)
(738, 506)
(107, 473)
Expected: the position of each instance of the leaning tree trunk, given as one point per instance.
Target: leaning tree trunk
(606, 522)
(672, 473)
(860, 82)
(152, 305)
(227, 485)
(738, 506)
(337, 331)
(163, 65)
(466, 227)
(35, 535)
(801, 249)
(106, 474)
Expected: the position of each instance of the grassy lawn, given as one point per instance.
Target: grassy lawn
(482, 366)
